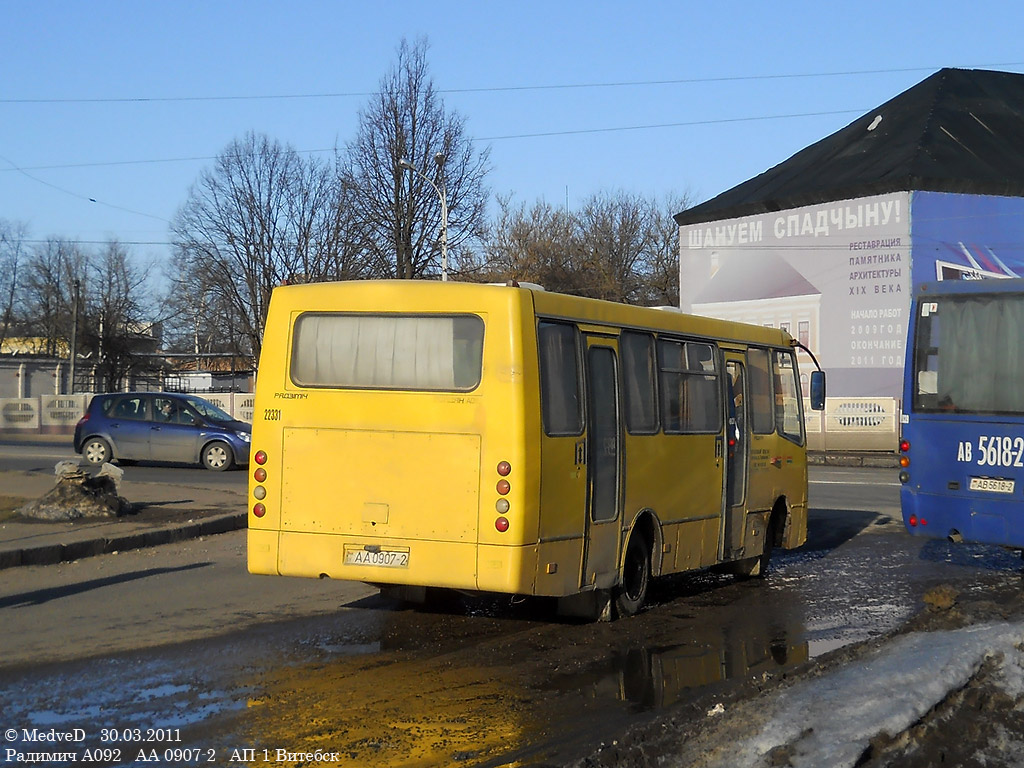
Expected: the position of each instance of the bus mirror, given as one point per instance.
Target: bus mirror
(817, 390)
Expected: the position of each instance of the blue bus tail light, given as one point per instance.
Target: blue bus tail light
(904, 477)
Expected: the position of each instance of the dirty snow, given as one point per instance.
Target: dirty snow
(830, 720)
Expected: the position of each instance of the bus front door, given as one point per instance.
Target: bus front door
(604, 466)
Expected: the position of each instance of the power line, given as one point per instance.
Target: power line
(571, 132)
(490, 89)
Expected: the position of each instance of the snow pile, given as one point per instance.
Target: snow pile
(830, 720)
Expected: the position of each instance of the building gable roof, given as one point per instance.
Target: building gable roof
(957, 131)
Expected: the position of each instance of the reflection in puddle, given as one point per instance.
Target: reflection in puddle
(652, 678)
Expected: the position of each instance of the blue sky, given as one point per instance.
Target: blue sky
(111, 109)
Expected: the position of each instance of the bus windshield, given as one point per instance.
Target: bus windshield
(966, 352)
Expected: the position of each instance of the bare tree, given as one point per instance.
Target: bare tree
(117, 327)
(619, 247)
(661, 267)
(616, 236)
(400, 210)
(47, 293)
(540, 245)
(12, 256)
(262, 216)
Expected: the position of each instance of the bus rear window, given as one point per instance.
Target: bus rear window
(410, 352)
(968, 352)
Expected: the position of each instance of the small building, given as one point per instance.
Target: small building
(831, 242)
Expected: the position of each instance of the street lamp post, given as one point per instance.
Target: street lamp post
(405, 165)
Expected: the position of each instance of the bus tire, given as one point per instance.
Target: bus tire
(636, 577)
(757, 567)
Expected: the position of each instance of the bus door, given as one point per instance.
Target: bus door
(604, 464)
(738, 453)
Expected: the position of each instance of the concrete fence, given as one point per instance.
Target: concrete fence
(846, 424)
(58, 414)
(854, 424)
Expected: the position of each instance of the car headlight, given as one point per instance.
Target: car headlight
(245, 436)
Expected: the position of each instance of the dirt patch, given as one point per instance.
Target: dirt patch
(9, 505)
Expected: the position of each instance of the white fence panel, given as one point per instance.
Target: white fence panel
(858, 424)
(60, 413)
(19, 413)
(243, 406)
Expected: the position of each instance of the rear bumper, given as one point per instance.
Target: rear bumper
(453, 565)
(986, 520)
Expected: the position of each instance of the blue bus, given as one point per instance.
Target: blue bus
(962, 441)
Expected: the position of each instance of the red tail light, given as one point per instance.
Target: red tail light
(259, 510)
(904, 446)
(260, 457)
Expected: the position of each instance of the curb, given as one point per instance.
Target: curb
(50, 554)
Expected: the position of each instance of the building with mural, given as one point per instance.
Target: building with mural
(831, 243)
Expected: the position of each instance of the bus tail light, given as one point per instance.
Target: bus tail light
(260, 475)
(501, 524)
(904, 461)
(912, 521)
(259, 510)
(904, 446)
(260, 457)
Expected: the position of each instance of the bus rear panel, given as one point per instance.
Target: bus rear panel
(962, 444)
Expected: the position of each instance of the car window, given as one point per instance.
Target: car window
(167, 410)
(132, 408)
(208, 409)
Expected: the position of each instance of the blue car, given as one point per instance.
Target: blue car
(161, 427)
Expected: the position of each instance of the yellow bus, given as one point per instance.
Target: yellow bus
(505, 439)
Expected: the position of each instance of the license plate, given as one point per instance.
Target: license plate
(991, 484)
(385, 558)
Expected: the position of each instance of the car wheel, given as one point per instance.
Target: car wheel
(636, 577)
(96, 450)
(217, 456)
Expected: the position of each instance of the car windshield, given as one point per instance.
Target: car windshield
(207, 409)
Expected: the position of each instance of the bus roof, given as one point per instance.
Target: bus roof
(389, 294)
(983, 285)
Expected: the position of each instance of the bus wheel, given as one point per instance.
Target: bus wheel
(636, 577)
(757, 567)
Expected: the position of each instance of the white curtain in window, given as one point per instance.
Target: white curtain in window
(981, 355)
(374, 351)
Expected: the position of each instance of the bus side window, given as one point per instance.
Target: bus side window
(560, 395)
(705, 411)
(762, 401)
(690, 387)
(638, 371)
